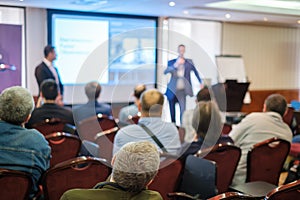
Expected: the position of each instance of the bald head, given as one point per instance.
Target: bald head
(152, 103)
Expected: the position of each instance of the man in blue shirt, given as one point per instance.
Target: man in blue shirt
(150, 106)
(92, 107)
(21, 149)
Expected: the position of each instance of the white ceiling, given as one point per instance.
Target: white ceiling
(252, 11)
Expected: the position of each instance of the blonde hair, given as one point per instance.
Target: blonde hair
(135, 165)
(16, 104)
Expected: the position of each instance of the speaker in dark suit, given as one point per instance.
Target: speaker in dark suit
(46, 70)
(180, 84)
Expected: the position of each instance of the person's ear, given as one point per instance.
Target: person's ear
(264, 108)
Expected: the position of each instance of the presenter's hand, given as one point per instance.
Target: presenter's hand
(179, 61)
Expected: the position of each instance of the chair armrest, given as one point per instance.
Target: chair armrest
(174, 195)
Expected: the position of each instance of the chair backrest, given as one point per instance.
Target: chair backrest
(266, 159)
(288, 191)
(105, 141)
(288, 117)
(199, 177)
(232, 196)
(64, 146)
(81, 172)
(226, 157)
(133, 119)
(49, 126)
(168, 177)
(14, 184)
(226, 129)
(88, 128)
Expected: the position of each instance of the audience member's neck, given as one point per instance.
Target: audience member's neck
(49, 101)
(146, 114)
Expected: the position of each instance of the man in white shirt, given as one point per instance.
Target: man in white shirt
(257, 127)
(46, 70)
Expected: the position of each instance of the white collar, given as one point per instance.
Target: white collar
(47, 62)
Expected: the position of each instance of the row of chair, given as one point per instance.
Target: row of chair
(284, 192)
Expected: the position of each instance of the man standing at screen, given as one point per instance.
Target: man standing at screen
(46, 70)
(180, 84)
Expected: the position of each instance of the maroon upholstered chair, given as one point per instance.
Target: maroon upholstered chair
(266, 159)
(64, 146)
(90, 127)
(226, 129)
(232, 196)
(52, 125)
(288, 191)
(14, 184)
(134, 119)
(288, 117)
(105, 141)
(81, 172)
(226, 157)
(168, 177)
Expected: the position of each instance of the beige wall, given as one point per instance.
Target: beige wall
(271, 54)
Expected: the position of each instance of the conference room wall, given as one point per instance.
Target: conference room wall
(271, 54)
(268, 51)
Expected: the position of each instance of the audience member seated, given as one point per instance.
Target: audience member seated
(92, 107)
(50, 109)
(150, 123)
(132, 110)
(206, 120)
(190, 133)
(21, 149)
(257, 127)
(134, 168)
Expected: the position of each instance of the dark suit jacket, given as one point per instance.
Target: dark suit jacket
(188, 67)
(90, 109)
(42, 72)
(49, 110)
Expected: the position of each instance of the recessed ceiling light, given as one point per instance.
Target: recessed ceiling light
(172, 3)
(266, 19)
(298, 21)
(21, 0)
(186, 12)
(228, 16)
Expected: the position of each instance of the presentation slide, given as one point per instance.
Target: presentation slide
(75, 38)
(117, 50)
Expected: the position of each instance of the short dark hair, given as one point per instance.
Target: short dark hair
(92, 90)
(138, 90)
(48, 49)
(49, 89)
(181, 45)
(276, 103)
(203, 95)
